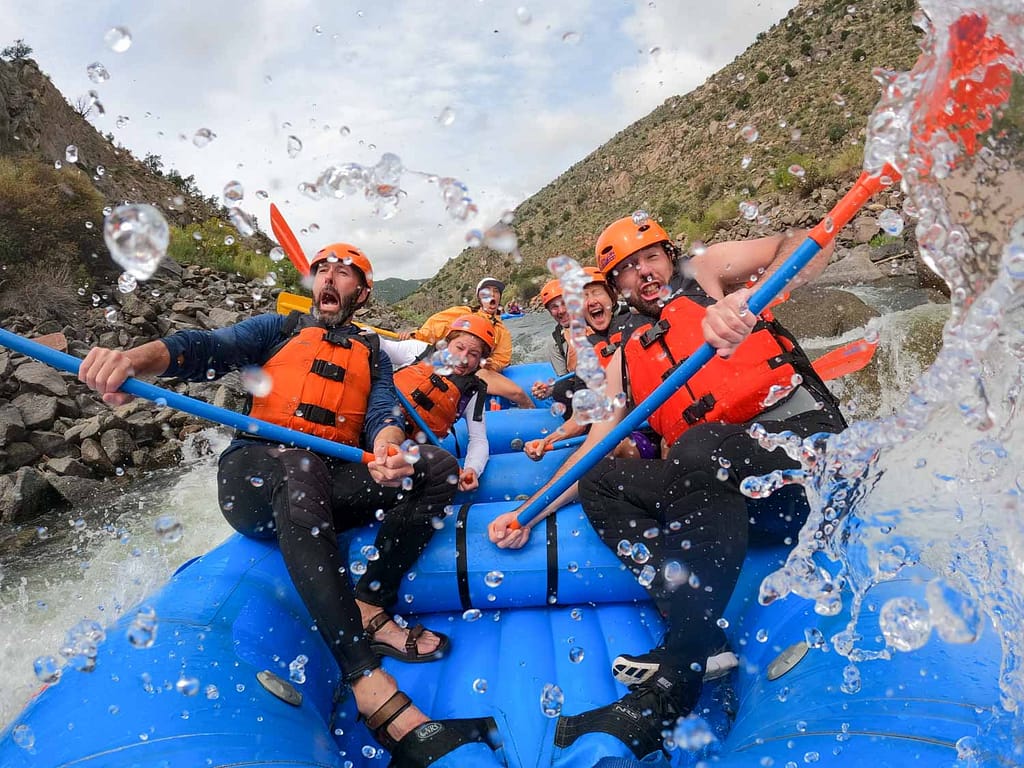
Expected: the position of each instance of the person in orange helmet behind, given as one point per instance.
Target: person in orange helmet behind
(443, 386)
(554, 303)
(488, 306)
(688, 505)
(322, 375)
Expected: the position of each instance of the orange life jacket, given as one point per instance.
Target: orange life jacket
(730, 390)
(321, 380)
(435, 397)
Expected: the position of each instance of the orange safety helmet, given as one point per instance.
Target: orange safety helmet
(595, 275)
(552, 290)
(346, 254)
(622, 238)
(475, 325)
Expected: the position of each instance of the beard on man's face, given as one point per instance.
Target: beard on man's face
(345, 306)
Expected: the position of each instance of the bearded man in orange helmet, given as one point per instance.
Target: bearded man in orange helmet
(323, 375)
(686, 508)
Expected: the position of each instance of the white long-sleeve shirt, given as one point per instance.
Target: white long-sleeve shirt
(403, 353)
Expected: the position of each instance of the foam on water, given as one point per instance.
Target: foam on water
(938, 481)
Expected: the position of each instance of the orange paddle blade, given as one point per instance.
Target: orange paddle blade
(846, 359)
(286, 238)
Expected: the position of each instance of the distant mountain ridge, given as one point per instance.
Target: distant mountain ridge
(394, 289)
(804, 88)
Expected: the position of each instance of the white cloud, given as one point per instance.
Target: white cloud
(527, 104)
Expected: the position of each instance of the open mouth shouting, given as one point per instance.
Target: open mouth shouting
(597, 313)
(330, 300)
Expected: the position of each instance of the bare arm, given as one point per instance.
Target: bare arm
(725, 267)
(105, 370)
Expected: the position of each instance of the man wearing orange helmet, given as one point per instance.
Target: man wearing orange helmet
(689, 507)
(442, 386)
(321, 374)
(554, 303)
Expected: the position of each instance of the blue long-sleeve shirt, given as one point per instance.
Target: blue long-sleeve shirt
(195, 354)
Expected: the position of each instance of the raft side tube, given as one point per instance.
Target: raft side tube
(564, 562)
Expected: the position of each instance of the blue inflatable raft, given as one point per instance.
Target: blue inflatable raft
(224, 682)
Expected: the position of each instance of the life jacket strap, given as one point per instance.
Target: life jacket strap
(316, 414)
(328, 370)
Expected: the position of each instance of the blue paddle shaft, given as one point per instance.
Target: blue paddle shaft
(771, 287)
(264, 429)
(416, 417)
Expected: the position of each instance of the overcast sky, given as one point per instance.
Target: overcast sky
(527, 88)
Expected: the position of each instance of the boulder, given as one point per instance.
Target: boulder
(52, 444)
(814, 311)
(18, 455)
(73, 489)
(68, 467)
(38, 377)
(165, 454)
(864, 228)
(854, 268)
(221, 318)
(95, 457)
(12, 426)
(25, 494)
(38, 411)
(118, 446)
(83, 430)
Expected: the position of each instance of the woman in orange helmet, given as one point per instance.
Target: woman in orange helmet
(442, 385)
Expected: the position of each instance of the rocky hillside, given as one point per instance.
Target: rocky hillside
(804, 88)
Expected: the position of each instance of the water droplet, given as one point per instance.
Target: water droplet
(576, 654)
(494, 579)
(472, 614)
(203, 137)
(748, 210)
(523, 15)
(890, 222)
(851, 679)
(297, 669)
(745, 162)
(640, 217)
(446, 116)
(551, 700)
(480, 685)
(904, 623)
(256, 381)
(110, 314)
(797, 170)
(23, 736)
(749, 133)
(71, 153)
(47, 669)
(572, 38)
(126, 283)
(839, 100)
(97, 72)
(762, 635)
(142, 632)
(169, 529)
(137, 236)
(187, 685)
(118, 39)
(294, 146)
(234, 191)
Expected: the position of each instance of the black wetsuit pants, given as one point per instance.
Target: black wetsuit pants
(305, 500)
(688, 512)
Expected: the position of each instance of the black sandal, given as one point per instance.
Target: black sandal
(434, 739)
(411, 654)
(386, 713)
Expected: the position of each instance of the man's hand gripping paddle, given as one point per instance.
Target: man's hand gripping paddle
(978, 80)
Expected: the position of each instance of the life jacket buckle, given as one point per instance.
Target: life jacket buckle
(699, 409)
(654, 333)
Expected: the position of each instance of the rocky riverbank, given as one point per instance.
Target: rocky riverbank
(59, 443)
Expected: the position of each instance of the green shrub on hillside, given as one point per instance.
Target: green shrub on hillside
(217, 245)
(44, 213)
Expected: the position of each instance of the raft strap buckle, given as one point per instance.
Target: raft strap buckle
(328, 370)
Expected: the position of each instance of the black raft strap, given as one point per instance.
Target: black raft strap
(328, 370)
(438, 382)
(654, 333)
(462, 557)
(316, 414)
(551, 534)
